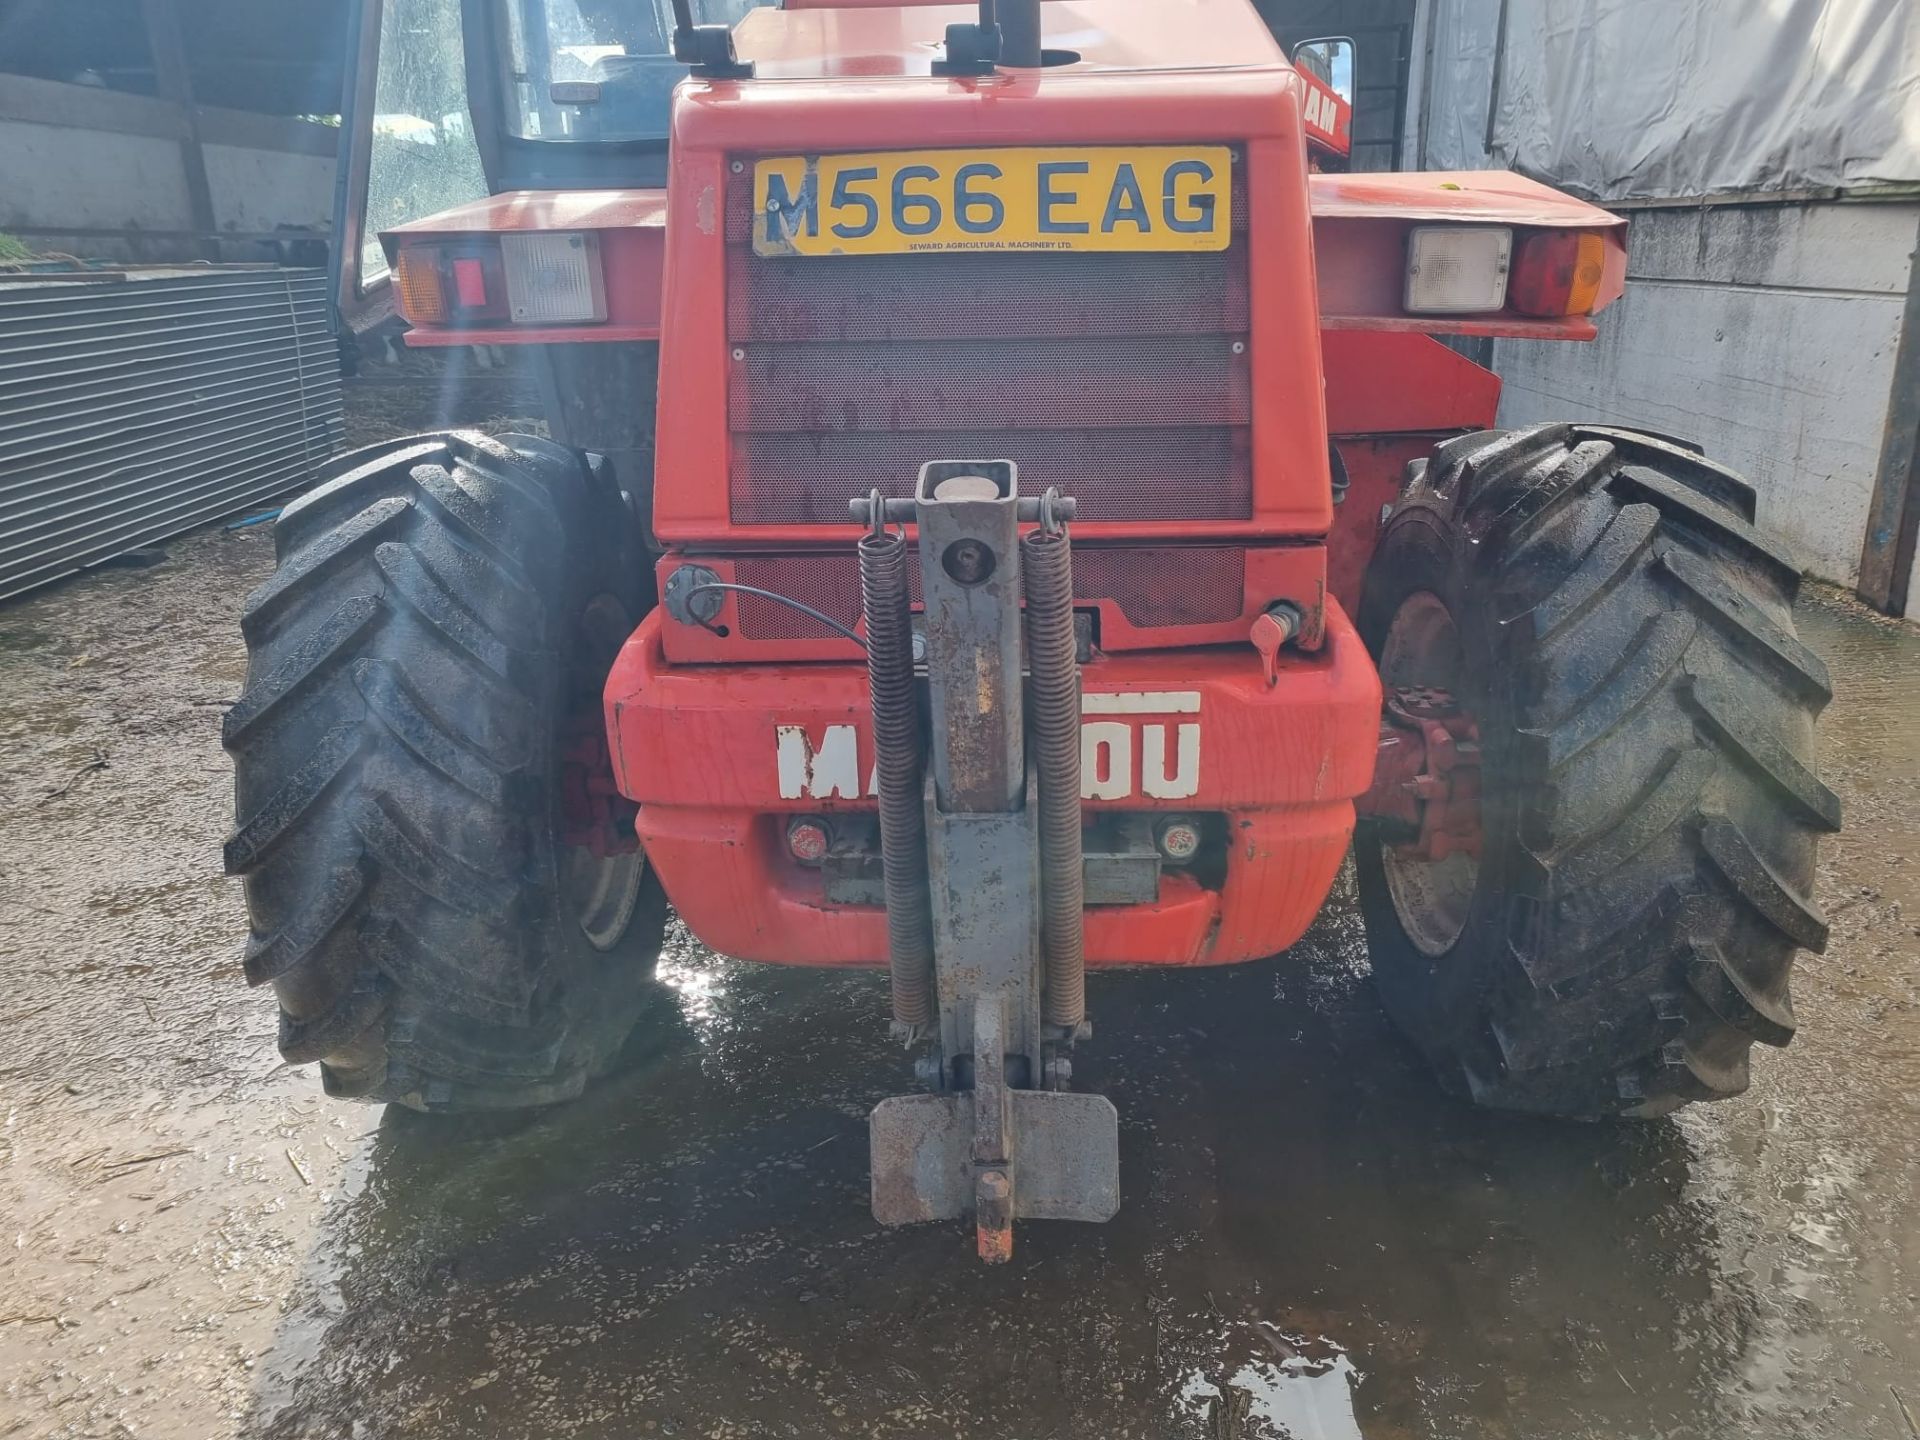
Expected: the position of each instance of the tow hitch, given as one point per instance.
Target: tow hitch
(980, 847)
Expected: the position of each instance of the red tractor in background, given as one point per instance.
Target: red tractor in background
(1007, 513)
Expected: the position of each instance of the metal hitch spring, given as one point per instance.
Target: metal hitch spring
(897, 737)
(1054, 717)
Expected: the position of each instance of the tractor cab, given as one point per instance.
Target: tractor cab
(451, 100)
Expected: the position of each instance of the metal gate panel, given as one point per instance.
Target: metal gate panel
(137, 404)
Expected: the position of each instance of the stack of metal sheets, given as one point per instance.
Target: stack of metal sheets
(138, 403)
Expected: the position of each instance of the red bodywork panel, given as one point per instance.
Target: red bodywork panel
(723, 733)
(700, 748)
(1359, 228)
(1360, 235)
(759, 631)
(1256, 105)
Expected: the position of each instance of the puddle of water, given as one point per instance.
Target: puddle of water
(1298, 1396)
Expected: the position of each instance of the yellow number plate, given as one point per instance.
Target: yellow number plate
(1161, 197)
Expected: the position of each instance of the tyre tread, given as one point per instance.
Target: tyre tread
(1661, 723)
(393, 746)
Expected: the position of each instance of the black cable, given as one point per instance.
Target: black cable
(787, 600)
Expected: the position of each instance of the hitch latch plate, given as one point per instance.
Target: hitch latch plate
(1065, 1163)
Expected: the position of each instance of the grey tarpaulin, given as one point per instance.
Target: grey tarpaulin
(1673, 99)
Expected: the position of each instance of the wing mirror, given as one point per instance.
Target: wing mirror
(1329, 59)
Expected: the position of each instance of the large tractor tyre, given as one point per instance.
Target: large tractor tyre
(1598, 604)
(435, 873)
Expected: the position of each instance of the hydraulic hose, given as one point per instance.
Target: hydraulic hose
(1053, 715)
(902, 761)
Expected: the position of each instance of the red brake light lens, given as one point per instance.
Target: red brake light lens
(1558, 272)
(450, 283)
(469, 281)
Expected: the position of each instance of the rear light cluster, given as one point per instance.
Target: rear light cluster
(1558, 273)
(530, 279)
(1479, 269)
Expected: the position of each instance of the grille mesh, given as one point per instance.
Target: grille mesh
(1155, 587)
(1016, 295)
(1120, 378)
(800, 478)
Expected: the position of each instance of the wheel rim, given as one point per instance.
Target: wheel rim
(1431, 898)
(601, 891)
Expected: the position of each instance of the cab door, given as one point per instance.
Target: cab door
(409, 144)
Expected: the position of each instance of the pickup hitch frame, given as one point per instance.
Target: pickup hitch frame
(976, 843)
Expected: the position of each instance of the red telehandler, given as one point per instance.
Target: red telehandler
(1006, 513)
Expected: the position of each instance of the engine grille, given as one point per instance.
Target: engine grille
(1121, 378)
(1155, 587)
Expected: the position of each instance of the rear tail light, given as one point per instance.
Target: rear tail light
(554, 279)
(1558, 272)
(808, 838)
(469, 282)
(525, 279)
(1178, 839)
(1457, 269)
(418, 287)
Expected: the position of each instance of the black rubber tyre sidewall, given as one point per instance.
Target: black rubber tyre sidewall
(1650, 804)
(397, 900)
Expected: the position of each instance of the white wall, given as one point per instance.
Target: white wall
(260, 190)
(104, 174)
(89, 180)
(1765, 333)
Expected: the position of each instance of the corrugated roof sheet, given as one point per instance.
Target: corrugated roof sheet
(137, 404)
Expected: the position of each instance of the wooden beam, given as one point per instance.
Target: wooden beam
(1893, 515)
(173, 78)
(88, 107)
(34, 101)
(250, 130)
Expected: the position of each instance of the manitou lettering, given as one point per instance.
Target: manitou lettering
(1157, 758)
(829, 770)
(1322, 111)
(1133, 744)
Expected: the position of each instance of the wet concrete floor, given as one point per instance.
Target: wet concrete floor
(1313, 1244)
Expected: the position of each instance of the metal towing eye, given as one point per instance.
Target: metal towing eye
(980, 849)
